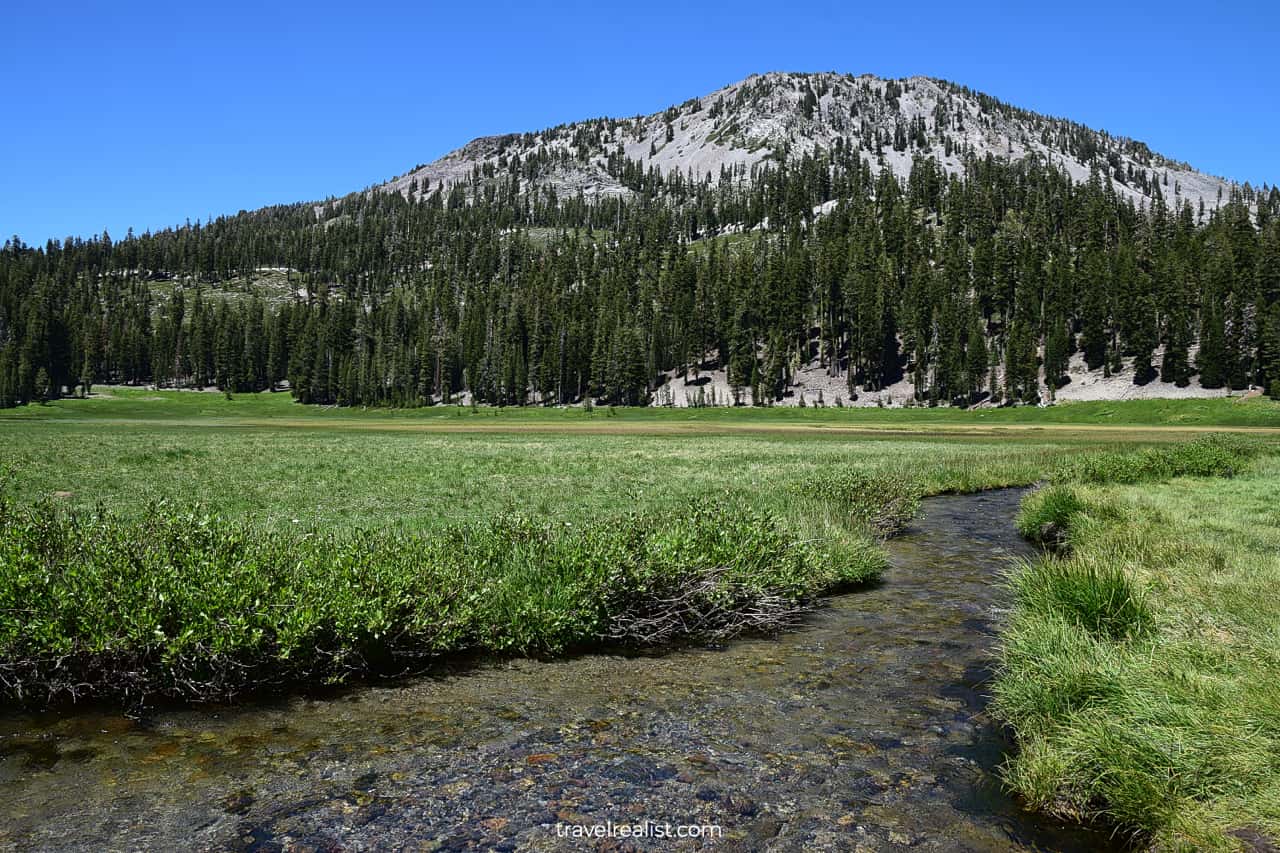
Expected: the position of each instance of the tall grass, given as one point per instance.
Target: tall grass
(883, 501)
(1095, 596)
(1213, 455)
(1140, 665)
(1048, 515)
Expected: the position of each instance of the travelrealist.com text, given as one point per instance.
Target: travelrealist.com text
(642, 829)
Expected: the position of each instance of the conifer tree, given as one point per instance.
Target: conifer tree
(43, 390)
(1269, 352)
(86, 375)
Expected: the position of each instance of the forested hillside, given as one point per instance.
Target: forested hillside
(972, 276)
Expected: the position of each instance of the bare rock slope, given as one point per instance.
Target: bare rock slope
(749, 122)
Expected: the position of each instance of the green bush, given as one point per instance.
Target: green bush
(196, 606)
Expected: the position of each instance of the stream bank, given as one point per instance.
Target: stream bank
(862, 729)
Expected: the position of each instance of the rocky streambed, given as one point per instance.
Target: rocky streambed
(862, 730)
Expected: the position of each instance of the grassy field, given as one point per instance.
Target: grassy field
(212, 409)
(187, 545)
(264, 457)
(1140, 668)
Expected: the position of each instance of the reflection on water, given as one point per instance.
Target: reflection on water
(864, 729)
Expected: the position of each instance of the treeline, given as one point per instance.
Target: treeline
(983, 285)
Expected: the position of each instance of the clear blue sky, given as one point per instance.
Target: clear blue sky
(146, 114)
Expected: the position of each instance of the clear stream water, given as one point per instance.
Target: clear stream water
(862, 730)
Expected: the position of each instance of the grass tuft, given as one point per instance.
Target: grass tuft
(1097, 596)
(1046, 515)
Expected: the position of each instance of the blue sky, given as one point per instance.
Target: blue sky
(143, 115)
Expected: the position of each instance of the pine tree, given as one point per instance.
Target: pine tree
(86, 375)
(1269, 352)
(43, 388)
(1143, 338)
(1212, 357)
(1094, 337)
(976, 358)
(1057, 345)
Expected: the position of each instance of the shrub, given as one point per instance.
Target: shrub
(194, 606)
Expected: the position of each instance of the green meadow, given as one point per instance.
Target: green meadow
(183, 545)
(264, 457)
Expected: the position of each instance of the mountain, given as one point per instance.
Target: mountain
(765, 117)
(792, 239)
